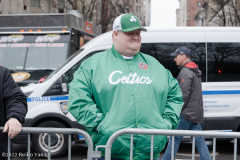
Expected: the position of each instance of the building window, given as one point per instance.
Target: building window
(140, 9)
(136, 8)
(144, 16)
(136, 1)
(61, 5)
(199, 4)
(183, 20)
(144, 9)
(144, 2)
(35, 3)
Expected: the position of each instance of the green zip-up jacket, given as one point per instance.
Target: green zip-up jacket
(109, 93)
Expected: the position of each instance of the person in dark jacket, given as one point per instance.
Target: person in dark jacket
(13, 108)
(191, 115)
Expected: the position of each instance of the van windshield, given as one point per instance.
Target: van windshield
(66, 62)
(33, 56)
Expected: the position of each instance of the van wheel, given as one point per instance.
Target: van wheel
(59, 142)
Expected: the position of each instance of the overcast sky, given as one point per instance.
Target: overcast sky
(163, 13)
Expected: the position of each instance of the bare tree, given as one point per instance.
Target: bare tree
(223, 12)
(100, 12)
(109, 10)
(86, 7)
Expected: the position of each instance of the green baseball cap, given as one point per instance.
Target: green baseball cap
(127, 23)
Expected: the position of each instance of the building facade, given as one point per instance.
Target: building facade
(181, 13)
(33, 6)
(14, 6)
(200, 18)
(223, 13)
(99, 12)
(192, 8)
(142, 9)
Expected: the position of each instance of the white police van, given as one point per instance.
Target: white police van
(215, 50)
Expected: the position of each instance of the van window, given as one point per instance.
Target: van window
(64, 64)
(34, 56)
(223, 62)
(70, 72)
(161, 51)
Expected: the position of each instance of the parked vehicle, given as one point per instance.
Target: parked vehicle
(215, 50)
(34, 45)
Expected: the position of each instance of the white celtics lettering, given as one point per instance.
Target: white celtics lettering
(130, 79)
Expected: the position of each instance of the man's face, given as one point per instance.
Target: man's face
(179, 59)
(129, 43)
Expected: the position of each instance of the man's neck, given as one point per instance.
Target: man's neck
(127, 57)
(185, 62)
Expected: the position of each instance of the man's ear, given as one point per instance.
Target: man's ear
(115, 35)
(184, 56)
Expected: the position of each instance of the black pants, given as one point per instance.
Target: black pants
(4, 146)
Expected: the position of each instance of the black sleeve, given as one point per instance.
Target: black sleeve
(14, 100)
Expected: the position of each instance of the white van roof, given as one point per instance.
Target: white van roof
(177, 34)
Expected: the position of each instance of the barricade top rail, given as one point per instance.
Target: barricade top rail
(192, 133)
(37, 130)
(212, 134)
(69, 131)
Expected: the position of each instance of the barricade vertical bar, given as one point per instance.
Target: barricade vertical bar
(152, 136)
(29, 143)
(172, 154)
(131, 148)
(9, 149)
(235, 148)
(49, 146)
(69, 146)
(193, 148)
(214, 148)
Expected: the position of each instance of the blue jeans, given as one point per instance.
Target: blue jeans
(200, 142)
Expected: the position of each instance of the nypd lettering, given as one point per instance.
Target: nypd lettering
(51, 98)
(130, 79)
(39, 99)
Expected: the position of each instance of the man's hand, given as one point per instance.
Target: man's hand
(14, 127)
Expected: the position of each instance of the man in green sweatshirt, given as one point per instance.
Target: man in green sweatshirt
(124, 88)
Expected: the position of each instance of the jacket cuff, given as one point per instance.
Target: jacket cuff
(14, 116)
(168, 123)
(98, 127)
(98, 120)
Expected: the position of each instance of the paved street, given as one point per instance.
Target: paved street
(224, 151)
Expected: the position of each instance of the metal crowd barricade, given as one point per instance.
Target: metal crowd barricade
(37, 130)
(173, 133)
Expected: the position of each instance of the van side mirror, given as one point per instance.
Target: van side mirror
(64, 84)
(64, 87)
